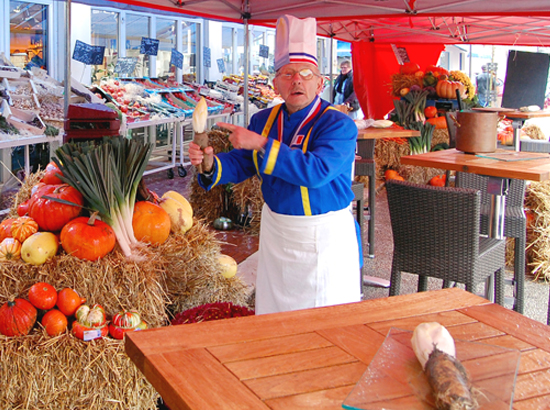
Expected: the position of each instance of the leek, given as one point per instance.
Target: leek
(423, 143)
(107, 175)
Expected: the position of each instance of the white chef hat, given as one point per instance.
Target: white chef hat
(295, 41)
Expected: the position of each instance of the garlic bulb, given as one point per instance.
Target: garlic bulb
(428, 336)
(200, 114)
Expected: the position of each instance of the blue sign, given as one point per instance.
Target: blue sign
(149, 46)
(82, 52)
(98, 52)
(125, 65)
(176, 58)
(206, 56)
(264, 51)
(221, 65)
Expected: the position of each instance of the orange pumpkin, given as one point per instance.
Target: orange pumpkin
(436, 71)
(447, 89)
(23, 227)
(54, 322)
(87, 238)
(409, 68)
(17, 317)
(393, 174)
(430, 111)
(10, 249)
(151, 223)
(43, 296)
(5, 228)
(68, 301)
(438, 180)
(440, 123)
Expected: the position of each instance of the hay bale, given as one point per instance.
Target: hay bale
(537, 199)
(242, 203)
(41, 372)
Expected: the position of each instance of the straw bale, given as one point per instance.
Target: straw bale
(537, 199)
(241, 202)
(39, 372)
(42, 372)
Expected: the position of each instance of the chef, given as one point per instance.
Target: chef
(303, 152)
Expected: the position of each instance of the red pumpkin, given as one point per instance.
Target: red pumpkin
(51, 175)
(87, 238)
(409, 68)
(151, 223)
(438, 180)
(54, 322)
(23, 227)
(5, 228)
(88, 333)
(52, 215)
(17, 317)
(436, 71)
(43, 295)
(23, 208)
(430, 111)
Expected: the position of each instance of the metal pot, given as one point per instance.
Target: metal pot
(476, 131)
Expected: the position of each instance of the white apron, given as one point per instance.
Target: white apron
(306, 261)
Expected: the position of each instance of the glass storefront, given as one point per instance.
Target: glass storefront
(190, 45)
(166, 35)
(28, 34)
(137, 27)
(105, 29)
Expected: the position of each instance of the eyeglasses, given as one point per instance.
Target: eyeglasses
(305, 74)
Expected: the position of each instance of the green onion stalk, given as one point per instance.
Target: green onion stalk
(423, 143)
(107, 175)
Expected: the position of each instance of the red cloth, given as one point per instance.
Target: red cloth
(373, 65)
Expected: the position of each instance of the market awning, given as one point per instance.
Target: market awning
(506, 22)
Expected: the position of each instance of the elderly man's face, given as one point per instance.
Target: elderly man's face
(298, 84)
(345, 68)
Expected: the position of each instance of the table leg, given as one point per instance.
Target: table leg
(498, 188)
(516, 125)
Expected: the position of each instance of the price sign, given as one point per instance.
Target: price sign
(206, 55)
(264, 51)
(149, 46)
(125, 65)
(98, 52)
(221, 65)
(176, 58)
(82, 52)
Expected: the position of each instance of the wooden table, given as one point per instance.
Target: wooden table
(366, 166)
(518, 118)
(312, 359)
(499, 172)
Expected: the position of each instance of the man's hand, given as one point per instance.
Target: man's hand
(241, 138)
(196, 155)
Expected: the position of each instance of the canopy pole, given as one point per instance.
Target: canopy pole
(331, 62)
(67, 58)
(245, 90)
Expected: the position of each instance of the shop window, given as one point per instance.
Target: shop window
(190, 45)
(105, 33)
(137, 27)
(227, 48)
(28, 34)
(166, 35)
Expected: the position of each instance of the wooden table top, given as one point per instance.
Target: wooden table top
(516, 114)
(313, 358)
(535, 169)
(379, 133)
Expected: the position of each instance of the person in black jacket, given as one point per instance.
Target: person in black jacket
(343, 93)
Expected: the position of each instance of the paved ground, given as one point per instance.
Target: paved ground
(242, 246)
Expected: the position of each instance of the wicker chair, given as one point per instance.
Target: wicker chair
(436, 234)
(515, 223)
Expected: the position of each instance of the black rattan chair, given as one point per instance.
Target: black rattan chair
(515, 223)
(436, 234)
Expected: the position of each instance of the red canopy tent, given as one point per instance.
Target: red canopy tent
(422, 26)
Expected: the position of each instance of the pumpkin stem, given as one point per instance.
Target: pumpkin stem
(93, 218)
